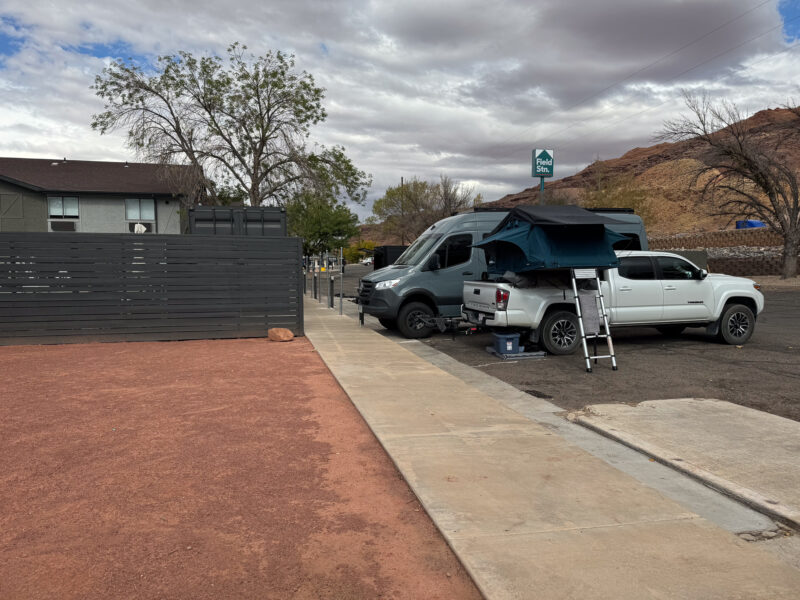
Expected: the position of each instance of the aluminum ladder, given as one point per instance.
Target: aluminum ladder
(591, 318)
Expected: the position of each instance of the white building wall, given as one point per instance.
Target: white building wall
(107, 215)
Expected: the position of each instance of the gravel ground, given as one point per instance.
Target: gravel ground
(763, 374)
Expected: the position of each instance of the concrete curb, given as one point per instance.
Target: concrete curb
(740, 493)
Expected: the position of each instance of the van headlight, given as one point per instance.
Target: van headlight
(385, 285)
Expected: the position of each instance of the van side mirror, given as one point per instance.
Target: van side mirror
(434, 263)
(703, 273)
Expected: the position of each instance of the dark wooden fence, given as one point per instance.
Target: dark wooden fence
(73, 287)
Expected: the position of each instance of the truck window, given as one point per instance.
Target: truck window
(636, 267)
(455, 250)
(673, 267)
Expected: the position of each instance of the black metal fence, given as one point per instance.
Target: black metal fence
(72, 287)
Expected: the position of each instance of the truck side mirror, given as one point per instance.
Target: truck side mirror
(434, 263)
(703, 273)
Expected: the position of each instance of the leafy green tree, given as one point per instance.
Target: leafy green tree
(355, 251)
(407, 209)
(324, 223)
(244, 120)
(410, 208)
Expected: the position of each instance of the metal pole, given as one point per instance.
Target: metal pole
(341, 279)
(318, 275)
(313, 284)
(541, 190)
(327, 266)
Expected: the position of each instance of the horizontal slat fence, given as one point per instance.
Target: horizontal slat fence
(80, 287)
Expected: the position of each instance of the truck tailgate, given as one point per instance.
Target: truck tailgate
(480, 296)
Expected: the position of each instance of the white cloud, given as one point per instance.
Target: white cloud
(458, 87)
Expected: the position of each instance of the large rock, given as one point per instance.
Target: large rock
(279, 334)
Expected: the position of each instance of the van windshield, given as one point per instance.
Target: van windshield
(417, 251)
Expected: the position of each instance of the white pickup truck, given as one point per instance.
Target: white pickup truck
(655, 289)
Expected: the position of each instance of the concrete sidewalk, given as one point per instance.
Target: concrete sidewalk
(529, 514)
(748, 454)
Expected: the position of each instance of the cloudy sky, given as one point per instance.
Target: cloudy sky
(418, 88)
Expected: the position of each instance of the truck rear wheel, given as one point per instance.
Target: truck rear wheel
(736, 324)
(410, 320)
(560, 334)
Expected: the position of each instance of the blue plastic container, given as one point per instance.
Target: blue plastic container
(506, 343)
(749, 223)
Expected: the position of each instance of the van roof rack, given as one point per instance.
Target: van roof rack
(627, 211)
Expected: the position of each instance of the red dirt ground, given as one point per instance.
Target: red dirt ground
(209, 469)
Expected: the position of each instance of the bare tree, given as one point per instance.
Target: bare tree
(743, 174)
(452, 196)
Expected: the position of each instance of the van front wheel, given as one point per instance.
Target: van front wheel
(411, 321)
(388, 323)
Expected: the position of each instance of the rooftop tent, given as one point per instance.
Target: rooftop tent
(550, 237)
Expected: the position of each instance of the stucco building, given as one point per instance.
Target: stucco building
(87, 196)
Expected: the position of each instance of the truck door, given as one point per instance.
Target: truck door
(687, 297)
(637, 296)
(456, 267)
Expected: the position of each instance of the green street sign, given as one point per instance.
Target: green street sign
(543, 163)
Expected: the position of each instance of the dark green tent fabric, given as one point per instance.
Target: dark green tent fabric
(550, 237)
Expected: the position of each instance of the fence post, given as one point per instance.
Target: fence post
(314, 279)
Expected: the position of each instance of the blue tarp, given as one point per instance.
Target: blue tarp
(550, 237)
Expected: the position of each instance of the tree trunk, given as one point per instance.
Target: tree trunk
(791, 246)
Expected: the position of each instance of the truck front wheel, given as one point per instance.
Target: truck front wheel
(411, 321)
(560, 333)
(736, 324)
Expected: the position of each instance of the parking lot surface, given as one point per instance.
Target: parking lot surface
(763, 374)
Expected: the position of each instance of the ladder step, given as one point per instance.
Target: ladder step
(601, 356)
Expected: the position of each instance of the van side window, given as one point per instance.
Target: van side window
(636, 267)
(455, 250)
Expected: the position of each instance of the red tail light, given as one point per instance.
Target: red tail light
(501, 298)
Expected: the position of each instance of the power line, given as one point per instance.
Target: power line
(719, 78)
(638, 71)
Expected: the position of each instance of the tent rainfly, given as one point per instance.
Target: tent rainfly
(550, 237)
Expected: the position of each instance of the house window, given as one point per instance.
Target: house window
(63, 207)
(140, 214)
(140, 209)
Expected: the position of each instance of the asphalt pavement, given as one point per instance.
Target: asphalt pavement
(763, 374)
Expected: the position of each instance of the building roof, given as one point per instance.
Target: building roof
(86, 176)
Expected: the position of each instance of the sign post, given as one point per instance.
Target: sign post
(542, 166)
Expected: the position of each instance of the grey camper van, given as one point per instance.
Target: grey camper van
(428, 278)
